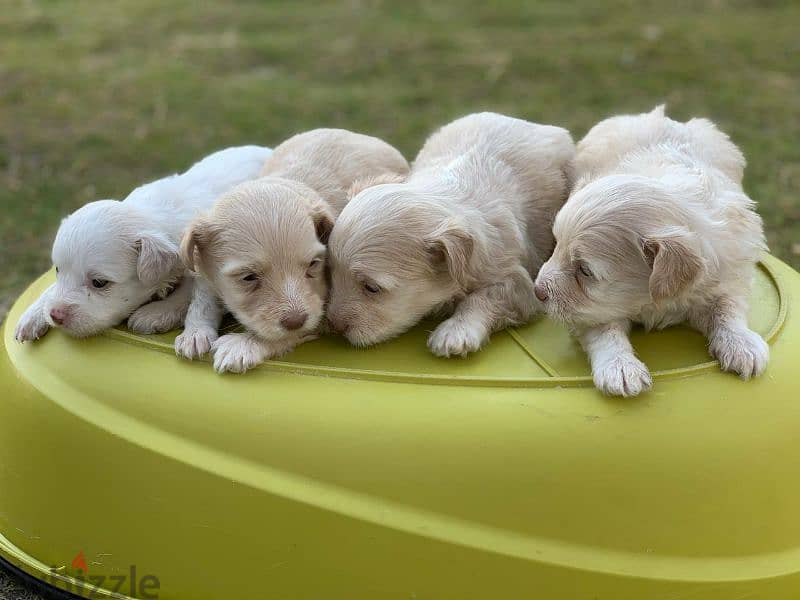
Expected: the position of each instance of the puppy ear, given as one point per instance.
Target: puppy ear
(452, 244)
(323, 219)
(359, 185)
(158, 257)
(676, 263)
(195, 239)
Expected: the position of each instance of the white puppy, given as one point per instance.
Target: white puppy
(113, 257)
(261, 251)
(657, 231)
(466, 231)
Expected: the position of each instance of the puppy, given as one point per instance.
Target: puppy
(466, 232)
(113, 257)
(658, 231)
(261, 251)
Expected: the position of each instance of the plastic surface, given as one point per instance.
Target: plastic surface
(389, 473)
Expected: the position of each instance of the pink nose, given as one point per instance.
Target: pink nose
(58, 315)
(294, 320)
(540, 292)
(337, 324)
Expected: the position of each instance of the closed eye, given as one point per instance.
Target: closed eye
(371, 288)
(585, 270)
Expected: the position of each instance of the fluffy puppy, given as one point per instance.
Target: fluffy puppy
(113, 257)
(465, 232)
(658, 231)
(261, 251)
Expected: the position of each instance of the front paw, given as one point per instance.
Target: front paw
(622, 376)
(740, 351)
(455, 338)
(32, 325)
(237, 352)
(194, 342)
(154, 318)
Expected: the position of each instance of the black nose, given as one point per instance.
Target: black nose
(540, 292)
(294, 320)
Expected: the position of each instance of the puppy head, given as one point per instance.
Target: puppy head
(620, 245)
(109, 260)
(263, 250)
(395, 255)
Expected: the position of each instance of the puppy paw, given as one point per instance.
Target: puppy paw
(194, 342)
(740, 351)
(32, 325)
(237, 352)
(622, 376)
(455, 338)
(154, 318)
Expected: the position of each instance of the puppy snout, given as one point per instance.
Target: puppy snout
(59, 314)
(338, 325)
(294, 320)
(540, 291)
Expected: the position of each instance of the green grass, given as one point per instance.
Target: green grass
(98, 97)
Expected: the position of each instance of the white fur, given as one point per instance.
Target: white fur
(615, 368)
(163, 315)
(238, 352)
(465, 232)
(657, 231)
(202, 321)
(133, 244)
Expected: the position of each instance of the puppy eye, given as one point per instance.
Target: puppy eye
(586, 271)
(99, 283)
(371, 288)
(250, 277)
(56, 270)
(312, 267)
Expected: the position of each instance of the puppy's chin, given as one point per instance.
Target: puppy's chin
(375, 328)
(558, 312)
(269, 332)
(577, 319)
(81, 325)
(273, 331)
(83, 330)
(362, 339)
(555, 312)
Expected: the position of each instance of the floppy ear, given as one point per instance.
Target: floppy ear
(195, 239)
(158, 256)
(362, 183)
(323, 219)
(675, 261)
(452, 244)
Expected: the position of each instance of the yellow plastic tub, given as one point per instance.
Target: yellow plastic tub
(388, 473)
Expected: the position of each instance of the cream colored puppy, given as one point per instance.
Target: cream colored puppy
(466, 231)
(658, 231)
(260, 253)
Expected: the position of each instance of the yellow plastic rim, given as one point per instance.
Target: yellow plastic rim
(553, 378)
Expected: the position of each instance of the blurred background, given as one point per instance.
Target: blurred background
(99, 97)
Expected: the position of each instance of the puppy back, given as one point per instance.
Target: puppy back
(331, 160)
(612, 140)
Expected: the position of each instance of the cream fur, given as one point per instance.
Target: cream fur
(657, 231)
(261, 252)
(466, 232)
